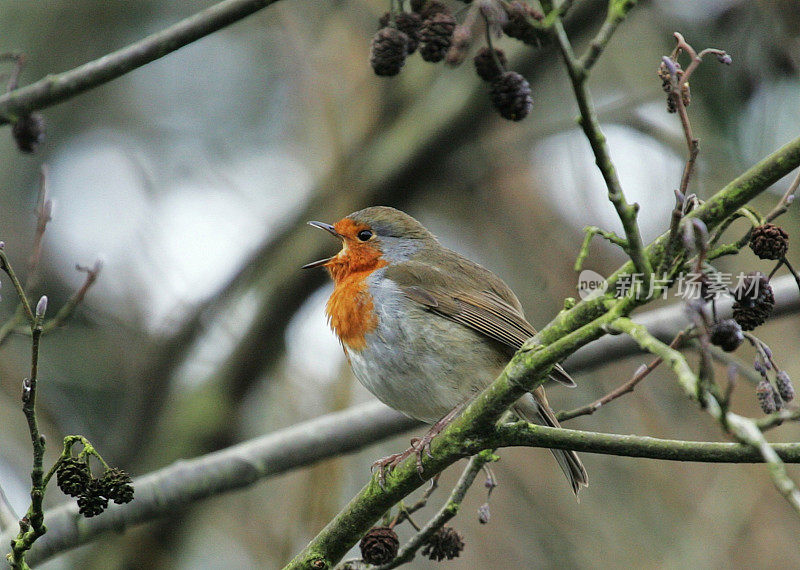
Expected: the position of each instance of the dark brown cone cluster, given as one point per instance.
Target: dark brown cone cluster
(75, 479)
(511, 96)
(428, 28)
(431, 29)
(518, 25)
(436, 36)
(379, 545)
(486, 61)
(769, 241)
(445, 543)
(388, 52)
(727, 335)
(73, 476)
(410, 23)
(754, 301)
(28, 132)
(92, 501)
(428, 9)
(117, 485)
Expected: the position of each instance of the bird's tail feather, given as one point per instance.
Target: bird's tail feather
(535, 409)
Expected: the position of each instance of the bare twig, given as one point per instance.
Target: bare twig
(44, 212)
(65, 312)
(679, 81)
(60, 87)
(640, 374)
(617, 11)
(590, 232)
(778, 418)
(794, 273)
(5, 265)
(404, 513)
(31, 526)
(19, 63)
(786, 200)
(591, 128)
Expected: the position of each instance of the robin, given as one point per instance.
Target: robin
(424, 328)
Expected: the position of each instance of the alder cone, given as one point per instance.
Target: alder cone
(511, 96)
(388, 52)
(436, 37)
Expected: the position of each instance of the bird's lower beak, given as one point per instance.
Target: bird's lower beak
(331, 230)
(319, 263)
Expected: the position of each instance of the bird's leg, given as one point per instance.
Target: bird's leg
(419, 445)
(423, 444)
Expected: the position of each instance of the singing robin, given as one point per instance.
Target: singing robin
(424, 328)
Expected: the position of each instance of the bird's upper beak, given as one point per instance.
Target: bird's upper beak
(331, 230)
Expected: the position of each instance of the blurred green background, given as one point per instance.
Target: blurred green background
(193, 176)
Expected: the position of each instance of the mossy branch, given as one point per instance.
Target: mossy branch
(523, 434)
(590, 232)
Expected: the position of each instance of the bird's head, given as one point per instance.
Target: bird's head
(372, 238)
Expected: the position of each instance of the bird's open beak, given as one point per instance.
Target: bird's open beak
(330, 229)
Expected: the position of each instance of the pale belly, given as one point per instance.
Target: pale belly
(424, 365)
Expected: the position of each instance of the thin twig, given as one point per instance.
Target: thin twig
(404, 513)
(590, 232)
(19, 63)
(591, 128)
(5, 265)
(65, 312)
(640, 374)
(745, 370)
(617, 11)
(13, 323)
(31, 526)
(677, 84)
(793, 271)
(60, 87)
(778, 418)
(44, 212)
(786, 200)
(524, 434)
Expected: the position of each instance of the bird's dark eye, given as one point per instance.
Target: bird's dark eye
(364, 235)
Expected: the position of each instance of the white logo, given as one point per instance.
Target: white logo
(591, 285)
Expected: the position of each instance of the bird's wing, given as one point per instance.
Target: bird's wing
(479, 308)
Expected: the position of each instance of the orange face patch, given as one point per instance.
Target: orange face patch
(350, 308)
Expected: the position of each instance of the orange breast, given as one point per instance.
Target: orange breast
(351, 311)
